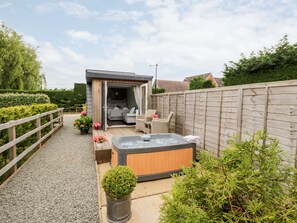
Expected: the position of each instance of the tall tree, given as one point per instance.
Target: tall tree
(19, 65)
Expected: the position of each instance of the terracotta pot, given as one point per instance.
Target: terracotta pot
(96, 128)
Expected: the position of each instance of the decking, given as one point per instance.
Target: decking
(122, 131)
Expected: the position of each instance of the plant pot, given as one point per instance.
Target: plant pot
(96, 128)
(84, 131)
(118, 210)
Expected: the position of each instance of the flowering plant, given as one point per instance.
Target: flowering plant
(100, 139)
(83, 113)
(96, 124)
(155, 116)
(84, 122)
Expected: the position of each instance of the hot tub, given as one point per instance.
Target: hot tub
(158, 157)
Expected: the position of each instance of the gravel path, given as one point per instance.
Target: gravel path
(58, 184)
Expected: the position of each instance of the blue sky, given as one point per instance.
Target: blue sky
(185, 37)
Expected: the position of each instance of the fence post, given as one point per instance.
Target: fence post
(51, 119)
(239, 114)
(194, 113)
(12, 150)
(220, 121)
(205, 113)
(38, 124)
(184, 118)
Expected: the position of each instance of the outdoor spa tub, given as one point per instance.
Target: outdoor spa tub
(153, 156)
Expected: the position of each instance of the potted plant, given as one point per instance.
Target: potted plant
(84, 123)
(83, 113)
(96, 125)
(118, 184)
(99, 140)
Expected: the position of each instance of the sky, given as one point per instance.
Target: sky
(184, 37)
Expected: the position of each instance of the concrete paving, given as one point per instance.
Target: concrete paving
(146, 198)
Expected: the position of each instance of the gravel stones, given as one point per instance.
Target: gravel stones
(58, 184)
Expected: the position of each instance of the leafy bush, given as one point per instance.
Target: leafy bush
(200, 83)
(158, 90)
(19, 112)
(249, 183)
(119, 182)
(84, 122)
(67, 99)
(271, 64)
(10, 99)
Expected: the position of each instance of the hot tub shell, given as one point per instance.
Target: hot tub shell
(151, 162)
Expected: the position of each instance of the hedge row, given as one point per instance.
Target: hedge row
(285, 73)
(19, 112)
(63, 98)
(11, 99)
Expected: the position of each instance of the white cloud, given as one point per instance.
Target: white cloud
(77, 10)
(45, 7)
(201, 36)
(77, 35)
(120, 15)
(183, 37)
(5, 5)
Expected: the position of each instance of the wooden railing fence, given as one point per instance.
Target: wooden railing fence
(217, 114)
(54, 123)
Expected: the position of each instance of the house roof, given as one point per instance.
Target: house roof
(115, 75)
(219, 81)
(172, 86)
(204, 76)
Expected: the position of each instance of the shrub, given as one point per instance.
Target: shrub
(67, 99)
(200, 83)
(10, 99)
(249, 183)
(19, 112)
(271, 64)
(84, 122)
(119, 182)
(158, 90)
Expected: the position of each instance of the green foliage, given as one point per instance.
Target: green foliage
(19, 66)
(19, 112)
(271, 64)
(8, 100)
(84, 122)
(200, 83)
(158, 90)
(119, 182)
(249, 183)
(67, 99)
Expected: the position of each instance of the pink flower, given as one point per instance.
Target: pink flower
(96, 124)
(155, 116)
(100, 139)
(84, 113)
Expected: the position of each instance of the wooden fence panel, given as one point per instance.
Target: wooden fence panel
(218, 114)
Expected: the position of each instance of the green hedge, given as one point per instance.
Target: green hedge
(270, 64)
(11, 99)
(67, 99)
(19, 112)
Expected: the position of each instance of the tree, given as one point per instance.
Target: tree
(200, 83)
(271, 64)
(19, 65)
